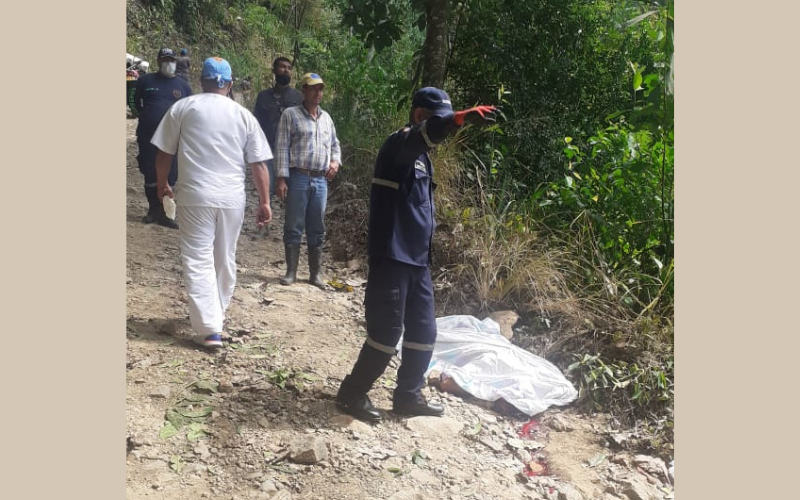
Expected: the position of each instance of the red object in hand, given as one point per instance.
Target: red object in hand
(477, 115)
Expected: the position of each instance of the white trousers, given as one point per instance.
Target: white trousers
(208, 238)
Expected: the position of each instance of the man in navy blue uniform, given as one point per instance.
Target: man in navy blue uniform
(399, 296)
(154, 94)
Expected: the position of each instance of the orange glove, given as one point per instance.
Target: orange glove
(479, 115)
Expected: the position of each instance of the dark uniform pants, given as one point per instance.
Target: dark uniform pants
(399, 301)
(147, 166)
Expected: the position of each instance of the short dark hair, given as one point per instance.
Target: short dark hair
(280, 59)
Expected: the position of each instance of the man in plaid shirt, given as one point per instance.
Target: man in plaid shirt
(307, 156)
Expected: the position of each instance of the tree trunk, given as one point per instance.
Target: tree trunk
(434, 54)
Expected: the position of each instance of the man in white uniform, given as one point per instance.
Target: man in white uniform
(215, 138)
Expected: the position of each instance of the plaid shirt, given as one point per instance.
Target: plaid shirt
(304, 142)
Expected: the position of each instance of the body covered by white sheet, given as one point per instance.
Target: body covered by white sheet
(490, 367)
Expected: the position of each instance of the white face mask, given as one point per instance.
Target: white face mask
(167, 69)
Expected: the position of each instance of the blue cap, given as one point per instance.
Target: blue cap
(183, 52)
(433, 99)
(217, 68)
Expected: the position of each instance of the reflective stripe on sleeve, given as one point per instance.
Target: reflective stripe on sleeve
(384, 182)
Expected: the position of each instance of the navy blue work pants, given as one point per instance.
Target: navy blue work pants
(399, 301)
(147, 166)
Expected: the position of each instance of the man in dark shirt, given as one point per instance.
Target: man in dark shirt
(399, 296)
(182, 65)
(270, 104)
(154, 94)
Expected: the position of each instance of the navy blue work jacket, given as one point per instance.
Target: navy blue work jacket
(402, 215)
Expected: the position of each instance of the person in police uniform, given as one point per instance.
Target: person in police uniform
(399, 295)
(153, 96)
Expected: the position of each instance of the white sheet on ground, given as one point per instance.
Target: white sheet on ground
(490, 367)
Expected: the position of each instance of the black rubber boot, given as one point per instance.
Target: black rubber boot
(417, 407)
(165, 221)
(154, 205)
(314, 262)
(352, 396)
(407, 398)
(356, 403)
(292, 258)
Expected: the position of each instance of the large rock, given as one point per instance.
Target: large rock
(559, 422)
(348, 422)
(636, 489)
(309, 450)
(506, 320)
(341, 421)
(652, 465)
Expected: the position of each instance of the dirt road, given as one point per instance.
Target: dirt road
(258, 419)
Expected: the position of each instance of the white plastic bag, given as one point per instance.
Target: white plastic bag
(488, 366)
(169, 207)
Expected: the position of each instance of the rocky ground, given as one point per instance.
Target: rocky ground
(258, 419)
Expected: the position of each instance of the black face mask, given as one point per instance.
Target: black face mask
(283, 79)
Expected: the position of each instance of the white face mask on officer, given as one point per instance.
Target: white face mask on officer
(167, 68)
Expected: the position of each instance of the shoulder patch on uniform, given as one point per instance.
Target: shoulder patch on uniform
(176, 93)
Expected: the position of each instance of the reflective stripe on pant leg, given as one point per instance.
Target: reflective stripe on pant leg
(419, 337)
(384, 304)
(370, 365)
(229, 225)
(417, 346)
(388, 349)
(197, 230)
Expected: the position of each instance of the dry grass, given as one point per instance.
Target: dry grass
(489, 257)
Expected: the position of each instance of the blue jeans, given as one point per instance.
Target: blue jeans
(306, 200)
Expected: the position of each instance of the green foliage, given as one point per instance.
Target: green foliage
(259, 21)
(283, 378)
(638, 394)
(367, 91)
(570, 194)
(380, 23)
(562, 63)
(620, 194)
(279, 377)
(617, 192)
